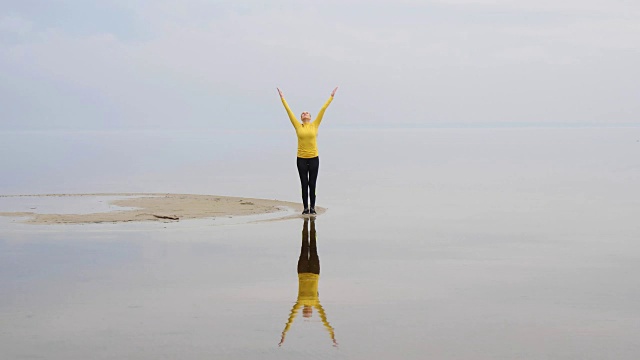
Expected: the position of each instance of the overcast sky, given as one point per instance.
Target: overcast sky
(120, 64)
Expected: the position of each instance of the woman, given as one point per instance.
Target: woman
(308, 160)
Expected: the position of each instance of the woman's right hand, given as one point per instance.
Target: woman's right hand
(280, 92)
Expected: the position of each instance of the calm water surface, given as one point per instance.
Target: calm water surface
(441, 244)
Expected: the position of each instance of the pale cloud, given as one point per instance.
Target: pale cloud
(198, 63)
(14, 24)
(577, 7)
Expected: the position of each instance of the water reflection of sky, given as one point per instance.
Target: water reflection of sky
(227, 291)
(61, 204)
(224, 289)
(437, 244)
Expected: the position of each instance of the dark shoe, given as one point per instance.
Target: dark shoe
(312, 211)
(305, 212)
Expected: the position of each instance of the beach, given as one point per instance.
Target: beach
(156, 207)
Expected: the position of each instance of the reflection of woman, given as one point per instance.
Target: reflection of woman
(308, 275)
(308, 161)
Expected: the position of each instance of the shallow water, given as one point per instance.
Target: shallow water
(444, 244)
(62, 205)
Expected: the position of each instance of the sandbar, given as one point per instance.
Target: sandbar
(164, 207)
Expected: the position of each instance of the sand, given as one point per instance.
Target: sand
(164, 207)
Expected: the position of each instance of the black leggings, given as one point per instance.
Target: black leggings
(309, 262)
(308, 171)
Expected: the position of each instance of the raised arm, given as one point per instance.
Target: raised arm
(318, 119)
(323, 317)
(292, 315)
(292, 117)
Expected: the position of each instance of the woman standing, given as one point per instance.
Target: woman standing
(308, 161)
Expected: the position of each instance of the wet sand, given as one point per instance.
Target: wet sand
(161, 207)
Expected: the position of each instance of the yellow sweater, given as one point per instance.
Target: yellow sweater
(307, 133)
(308, 296)
(308, 289)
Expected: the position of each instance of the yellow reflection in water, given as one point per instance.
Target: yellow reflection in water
(308, 276)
